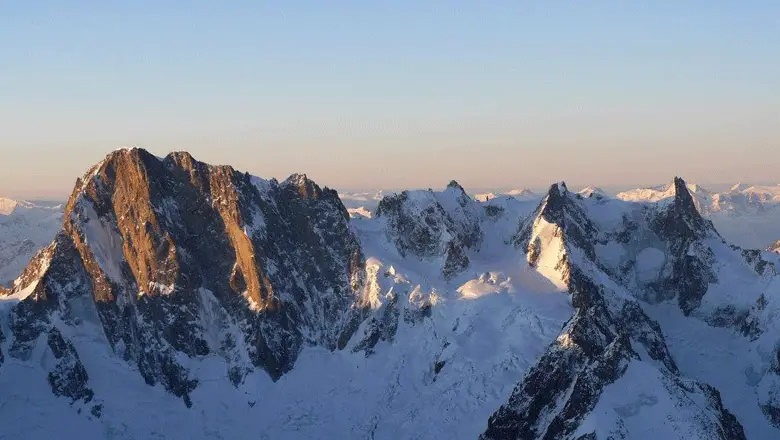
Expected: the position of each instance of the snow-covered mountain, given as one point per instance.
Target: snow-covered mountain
(746, 215)
(183, 300)
(519, 194)
(655, 289)
(25, 227)
(592, 191)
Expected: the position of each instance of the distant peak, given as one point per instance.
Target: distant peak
(297, 179)
(738, 187)
(454, 184)
(592, 191)
(7, 205)
(522, 194)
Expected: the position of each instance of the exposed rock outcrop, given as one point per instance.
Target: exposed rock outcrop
(430, 224)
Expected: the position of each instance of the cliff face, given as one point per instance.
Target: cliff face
(173, 255)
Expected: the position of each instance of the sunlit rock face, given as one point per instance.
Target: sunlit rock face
(162, 249)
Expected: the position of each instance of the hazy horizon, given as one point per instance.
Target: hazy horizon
(62, 194)
(395, 96)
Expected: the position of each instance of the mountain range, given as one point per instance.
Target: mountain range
(25, 227)
(178, 299)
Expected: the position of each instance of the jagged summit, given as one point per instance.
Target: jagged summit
(434, 225)
(681, 215)
(454, 184)
(560, 186)
(681, 194)
(152, 241)
(299, 180)
(557, 224)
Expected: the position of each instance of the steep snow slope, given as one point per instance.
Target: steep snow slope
(25, 227)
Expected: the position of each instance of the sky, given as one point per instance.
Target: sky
(395, 94)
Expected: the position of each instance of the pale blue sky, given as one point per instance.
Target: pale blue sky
(395, 94)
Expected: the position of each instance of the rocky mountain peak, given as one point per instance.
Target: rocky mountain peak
(433, 224)
(557, 224)
(682, 195)
(153, 242)
(308, 189)
(555, 202)
(680, 216)
(455, 185)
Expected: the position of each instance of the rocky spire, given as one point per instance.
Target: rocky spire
(454, 184)
(681, 218)
(558, 209)
(554, 204)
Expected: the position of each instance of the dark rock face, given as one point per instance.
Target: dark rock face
(69, 377)
(594, 350)
(456, 260)
(429, 224)
(754, 259)
(564, 385)
(682, 219)
(158, 244)
(680, 225)
(2, 340)
(419, 236)
(381, 327)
